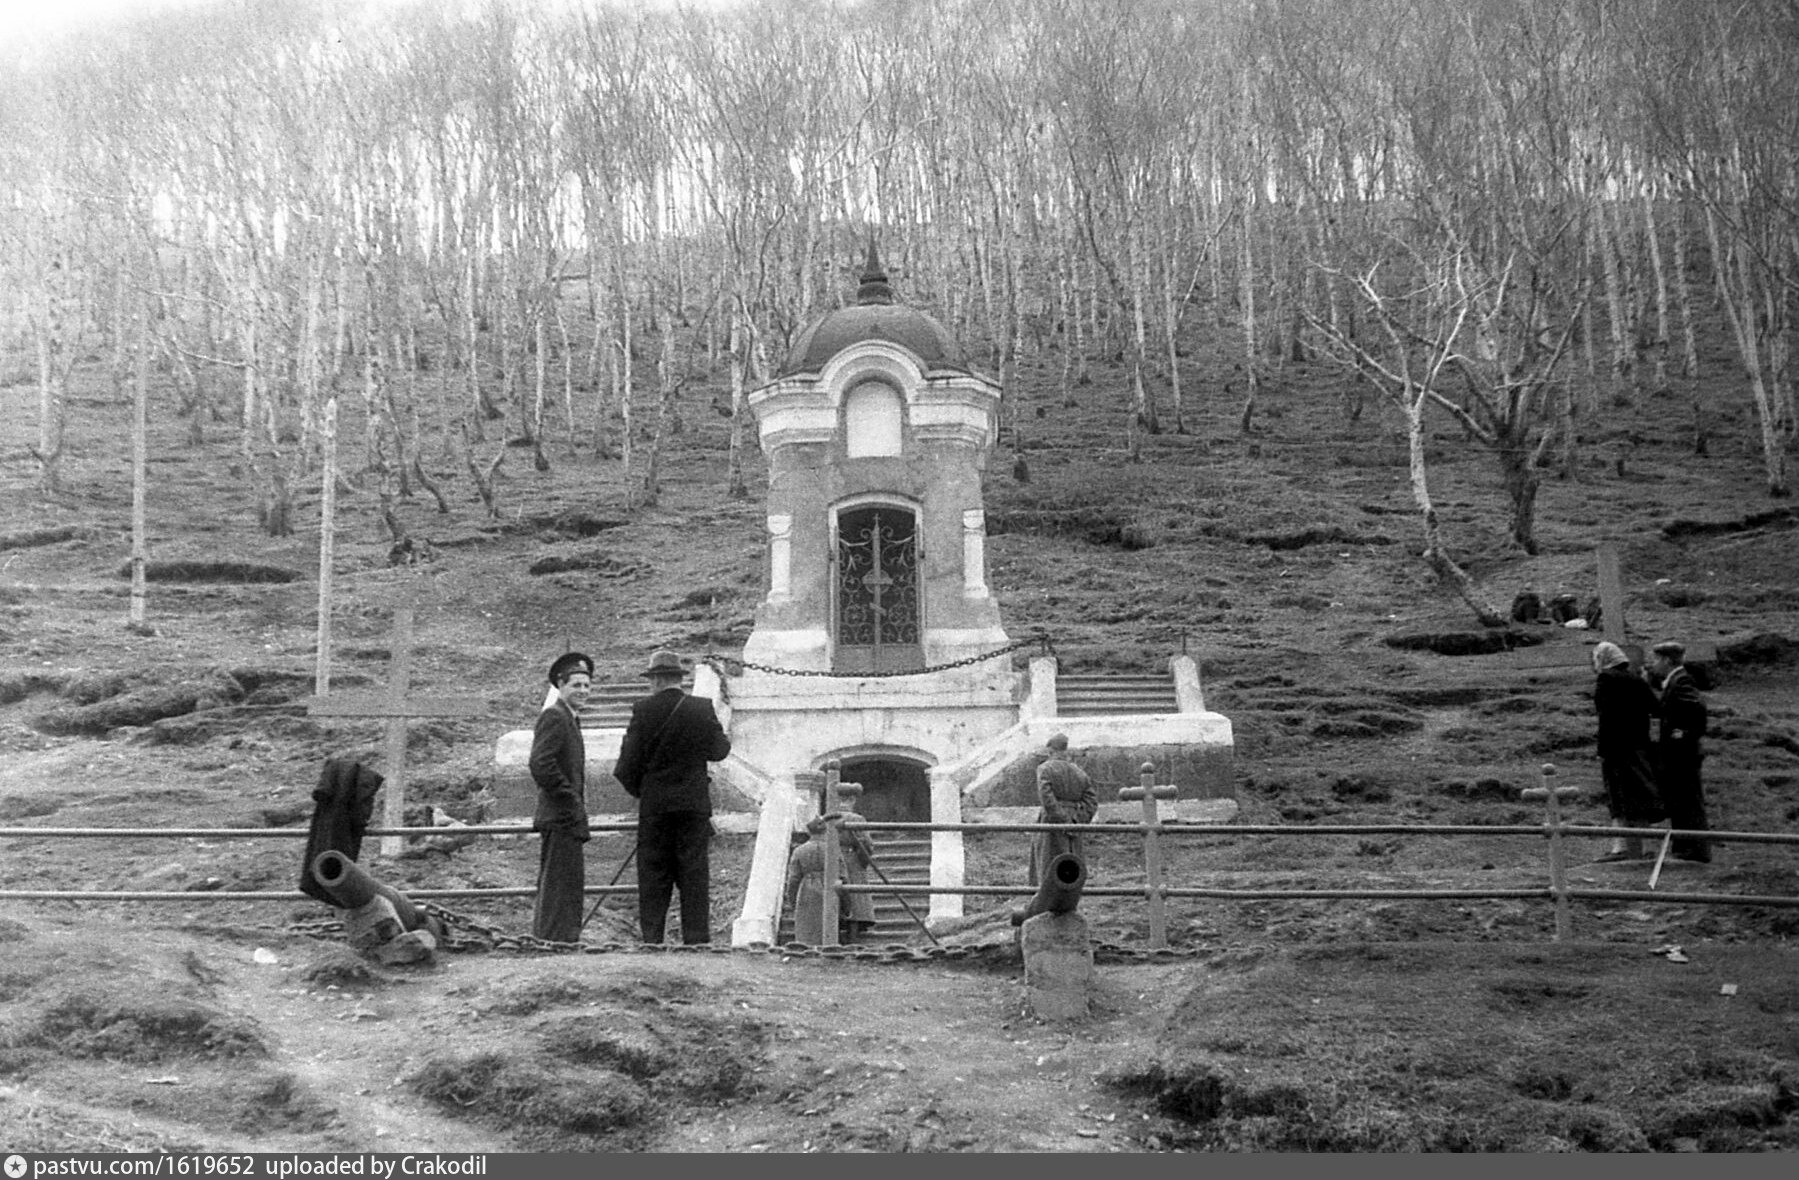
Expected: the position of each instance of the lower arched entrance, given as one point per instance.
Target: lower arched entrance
(894, 790)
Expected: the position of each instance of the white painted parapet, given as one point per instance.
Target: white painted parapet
(768, 869)
(1189, 696)
(948, 866)
(1041, 701)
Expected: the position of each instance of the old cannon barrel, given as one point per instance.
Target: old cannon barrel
(1060, 890)
(351, 886)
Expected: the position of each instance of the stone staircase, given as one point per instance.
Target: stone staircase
(906, 859)
(609, 705)
(1109, 695)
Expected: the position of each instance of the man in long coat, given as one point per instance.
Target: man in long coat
(1678, 755)
(559, 768)
(662, 764)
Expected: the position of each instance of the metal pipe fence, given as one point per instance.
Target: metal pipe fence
(1155, 891)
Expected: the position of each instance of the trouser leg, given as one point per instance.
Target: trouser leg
(1686, 811)
(693, 877)
(655, 876)
(561, 878)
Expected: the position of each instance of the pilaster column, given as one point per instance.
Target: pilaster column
(780, 557)
(974, 553)
(948, 868)
(1042, 699)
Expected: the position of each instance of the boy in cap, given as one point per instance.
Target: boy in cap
(1067, 797)
(1678, 755)
(662, 764)
(559, 768)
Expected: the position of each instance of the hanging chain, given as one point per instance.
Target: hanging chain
(1039, 638)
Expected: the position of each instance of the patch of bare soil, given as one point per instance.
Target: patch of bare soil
(1286, 561)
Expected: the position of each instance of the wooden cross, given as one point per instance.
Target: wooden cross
(398, 708)
(1552, 795)
(1149, 792)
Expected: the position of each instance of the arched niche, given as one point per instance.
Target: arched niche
(873, 420)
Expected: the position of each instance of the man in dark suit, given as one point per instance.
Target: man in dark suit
(559, 768)
(662, 764)
(1678, 755)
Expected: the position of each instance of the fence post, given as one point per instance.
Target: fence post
(1558, 868)
(1152, 849)
(832, 853)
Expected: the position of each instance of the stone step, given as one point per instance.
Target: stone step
(1114, 678)
(906, 860)
(609, 704)
(1115, 706)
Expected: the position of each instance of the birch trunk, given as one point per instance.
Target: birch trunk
(1614, 294)
(666, 388)
(1252, 379)
(1171, 320)
(479, 408)
(140, 474)
(540, 380)
(327, 544)
(52, 383)
(1738, 294)
(1689, 359)
(1435, 554)
(735, 485)
(1661, 293)
(627, 447)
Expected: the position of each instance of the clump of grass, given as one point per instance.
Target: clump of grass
(1416, 1047)
(148, 1028)
(697, 1058)
(507, 1090)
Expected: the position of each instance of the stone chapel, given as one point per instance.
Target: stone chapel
(878, 644)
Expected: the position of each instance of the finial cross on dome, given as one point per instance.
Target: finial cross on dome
(874, 288)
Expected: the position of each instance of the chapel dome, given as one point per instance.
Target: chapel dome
(874, 316)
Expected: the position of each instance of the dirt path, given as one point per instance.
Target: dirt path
(846, 1055)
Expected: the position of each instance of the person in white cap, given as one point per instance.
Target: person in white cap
(1625, 704)
(559, 768)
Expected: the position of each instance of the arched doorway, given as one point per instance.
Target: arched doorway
(894, 790)
(876, 595)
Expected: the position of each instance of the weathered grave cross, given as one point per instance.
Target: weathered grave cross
(395, 705)
(1611, 619)
(1149, 791)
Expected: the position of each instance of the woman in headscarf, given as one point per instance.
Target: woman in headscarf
(805, 891)
(1625, 704)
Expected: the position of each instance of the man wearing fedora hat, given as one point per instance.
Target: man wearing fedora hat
(662, 764)
(559, 768)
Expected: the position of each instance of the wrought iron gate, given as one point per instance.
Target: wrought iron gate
(877, 590)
